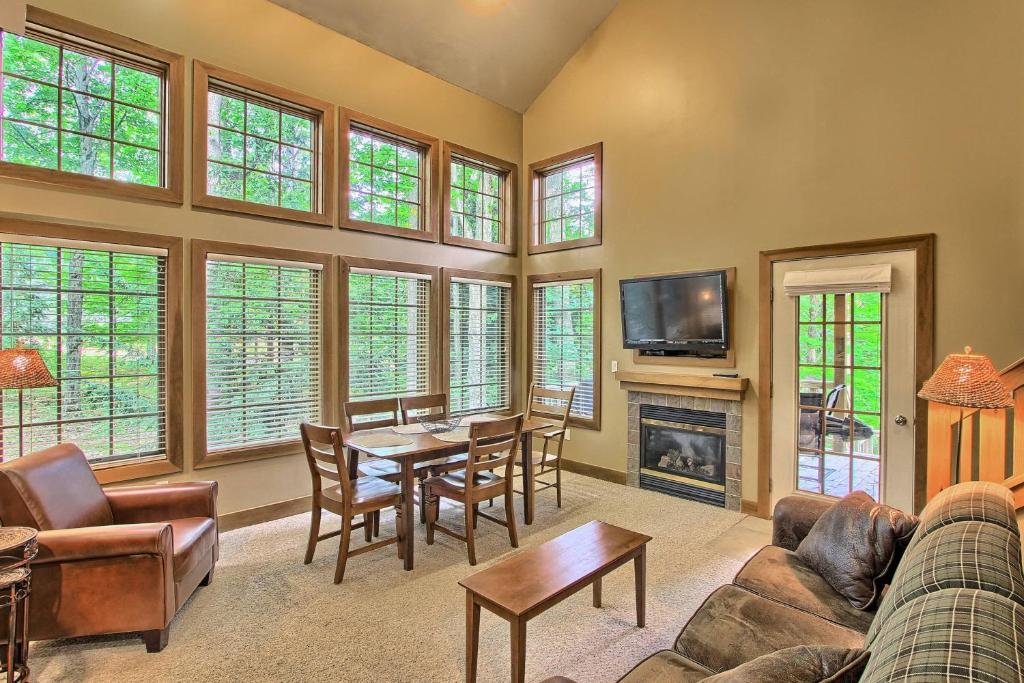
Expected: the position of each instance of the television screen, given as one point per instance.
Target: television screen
(676, 312)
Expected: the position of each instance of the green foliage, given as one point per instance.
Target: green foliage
(566, 320)
(384, 182)
(569, 199)
(479, 355)
(475, 202)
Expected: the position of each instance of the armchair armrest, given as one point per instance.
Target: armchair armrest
(97, 542)
(163, 502)
(793, 518)
(551, 435)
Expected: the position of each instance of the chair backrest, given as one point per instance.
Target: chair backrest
(380, 406)
(492, 445)
(435, 405)
(325, 456)
(832, 400)
(52, 489)
(550, 404)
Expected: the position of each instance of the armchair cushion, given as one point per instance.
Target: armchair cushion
(113, 540)
(162, 502)
(194, 538)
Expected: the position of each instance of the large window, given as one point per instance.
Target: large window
(479, 200)
(565, 200)
(99, 315)
(91, 108)
(388, 182)
(390, 330)
(262, 354)
(479, 341)
(564, 334)
(266, 150)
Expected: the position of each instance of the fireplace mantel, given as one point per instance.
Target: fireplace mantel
(677, 384)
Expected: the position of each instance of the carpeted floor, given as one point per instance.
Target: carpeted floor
(267, 617)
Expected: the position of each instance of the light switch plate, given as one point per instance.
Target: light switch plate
(615, 366)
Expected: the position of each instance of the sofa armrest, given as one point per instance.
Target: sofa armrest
(163, 502)
(99, 542)
(793, 518)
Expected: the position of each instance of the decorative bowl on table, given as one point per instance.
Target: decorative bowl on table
(435, 425)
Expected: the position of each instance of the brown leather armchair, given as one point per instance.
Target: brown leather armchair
(110, 560)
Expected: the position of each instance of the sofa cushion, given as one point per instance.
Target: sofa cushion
(973, 555)
(666, 667)
(193, 539)
(971, 501)
(957, 634)
(734, 626)
(802, 664)
(854, 544)
(780, 575)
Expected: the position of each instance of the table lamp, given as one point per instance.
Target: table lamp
(966, 380)
(22, 369)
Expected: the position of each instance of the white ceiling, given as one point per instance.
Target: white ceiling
(504, 50)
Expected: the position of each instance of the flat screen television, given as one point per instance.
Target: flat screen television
(685, 313)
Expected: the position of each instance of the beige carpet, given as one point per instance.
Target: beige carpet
(267, 617)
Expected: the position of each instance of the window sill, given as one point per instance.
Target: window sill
(501, 248)
(113, 474)
(562, 246)
(389, 230)
(206, 201)
(234, 456)
(89, 184)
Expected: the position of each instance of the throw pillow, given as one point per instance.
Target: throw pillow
(801, 664)
(854, 545)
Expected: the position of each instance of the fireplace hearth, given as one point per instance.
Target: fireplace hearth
(682, 452)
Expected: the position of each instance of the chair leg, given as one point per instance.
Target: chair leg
(423, 501)
(476, 511)
(431, 501)
(208, 579)
(399, 530)
(346, 533)
(314, 533)
(558, 484)
(156, 640)
(470, 544)
(367, 526)
(510, 516)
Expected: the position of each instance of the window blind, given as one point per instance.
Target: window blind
(263, 350)
(97, 315)
(874, 278)
(563, 340)
(480, 346)
(388, 334)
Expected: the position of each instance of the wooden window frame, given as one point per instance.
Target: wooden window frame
(324, 187)
(429, 177)
(347, 264)
(594, 274)
(201, 249)
(173, 119)
(447, 275)
(173, 374)
(508, 222)
(538, 170)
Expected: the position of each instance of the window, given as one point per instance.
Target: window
(565, 200)
(265, 150)
(388, 179)
(90, 109)
(479, 200)
(390, 329)
(565, 342)
(261, 357)
(100, 315)
(479, 342)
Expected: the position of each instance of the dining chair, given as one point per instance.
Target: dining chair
(383, 412)
(492, 446)
(550, 405)
(434, 406)
(365, 496)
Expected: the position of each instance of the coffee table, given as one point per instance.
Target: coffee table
(531, 581)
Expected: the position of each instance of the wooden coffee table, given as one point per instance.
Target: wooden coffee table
(531, 581)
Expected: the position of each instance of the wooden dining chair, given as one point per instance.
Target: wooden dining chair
(550, 405)
(365, 496)
(384, 412)
(492, 446)
(436, 407)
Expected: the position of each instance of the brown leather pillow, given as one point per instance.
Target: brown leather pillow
(854, 544)
(806, 664)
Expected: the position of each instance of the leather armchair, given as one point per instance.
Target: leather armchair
(110, 560)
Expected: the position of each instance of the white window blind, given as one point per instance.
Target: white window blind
(480, 355)
(388, 334)
(263, 350)
(97, 315)
(875, 278)
(563, 340)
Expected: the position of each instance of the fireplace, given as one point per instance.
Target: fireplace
(682, 452)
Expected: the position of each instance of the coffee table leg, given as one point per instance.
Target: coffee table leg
(640, 576)
(527, 462)
(597, 592)
(408, 511)
(472, 636)
(518, 628)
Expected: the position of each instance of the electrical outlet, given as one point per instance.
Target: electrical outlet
(615, 366)
(568, 435)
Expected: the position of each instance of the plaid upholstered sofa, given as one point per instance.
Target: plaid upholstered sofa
(954, 609)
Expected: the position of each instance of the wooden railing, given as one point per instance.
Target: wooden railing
(992, 441)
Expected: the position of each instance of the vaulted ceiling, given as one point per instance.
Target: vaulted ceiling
(504, 50)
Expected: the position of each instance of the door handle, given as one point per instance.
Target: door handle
(901, 420)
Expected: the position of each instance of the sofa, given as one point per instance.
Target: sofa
(953, 608)
(111, 560)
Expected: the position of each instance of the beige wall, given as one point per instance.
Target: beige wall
(734, 126)
(261, 40)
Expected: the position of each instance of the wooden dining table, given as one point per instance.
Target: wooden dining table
(425, 446)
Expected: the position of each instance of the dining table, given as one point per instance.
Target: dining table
(422, 446)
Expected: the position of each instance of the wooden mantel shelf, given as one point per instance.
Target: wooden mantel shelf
(705, 386)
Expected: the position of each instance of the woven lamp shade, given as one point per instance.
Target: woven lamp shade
(24, 369)
(968, 381)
